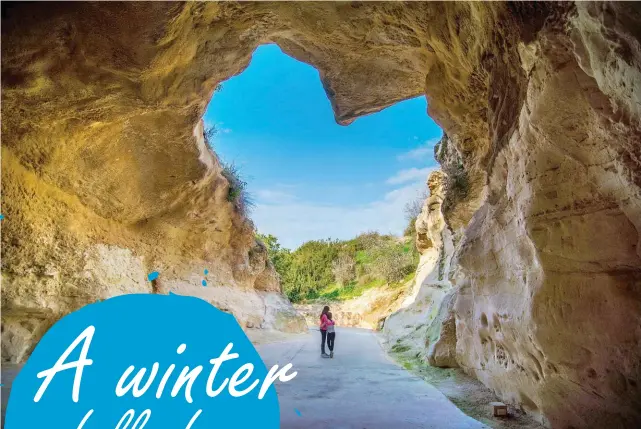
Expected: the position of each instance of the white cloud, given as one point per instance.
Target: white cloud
(274, 196)
(423, 152)
(298, 221)
(410, 175)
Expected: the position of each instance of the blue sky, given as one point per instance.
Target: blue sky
(310, 177)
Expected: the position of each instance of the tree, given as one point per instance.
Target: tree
(412, 210)
(279, 256)
(414, 207)
(344, 269)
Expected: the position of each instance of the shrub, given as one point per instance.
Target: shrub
(237, 193)
(457, 182)
(410, 229)
(332, 269)
(310, 270)
(279, 256)
(393, 262)
(343, 269)
(209, 135)
(400, 348)
(368, 240)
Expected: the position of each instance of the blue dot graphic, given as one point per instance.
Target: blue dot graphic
(2, 217)
(204, 282)
(206, 271)
(152, 276)
(298, 412)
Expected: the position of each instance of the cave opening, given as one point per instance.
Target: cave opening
(308, 177)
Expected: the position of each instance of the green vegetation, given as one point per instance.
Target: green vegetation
(337, 292)
(413, 209)
(400, 348)
(466, 392)
(237, 192)
(457, 182)
(339, 270)
(280, 257)
(410, 229)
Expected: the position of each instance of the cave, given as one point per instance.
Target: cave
(106, 175)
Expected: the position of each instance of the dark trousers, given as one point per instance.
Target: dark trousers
(323, 337)
(330, 341)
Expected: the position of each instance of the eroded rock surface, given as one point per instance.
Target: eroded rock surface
(106, 175)
(425, 322)
(551, 287)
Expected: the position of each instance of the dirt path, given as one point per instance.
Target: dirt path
(360, 388)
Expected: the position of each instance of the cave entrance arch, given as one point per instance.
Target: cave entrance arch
(309, 177)
(532, 97)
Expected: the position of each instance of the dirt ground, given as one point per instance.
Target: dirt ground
(467, 393)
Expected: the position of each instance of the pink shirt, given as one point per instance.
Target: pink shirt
(324, 322)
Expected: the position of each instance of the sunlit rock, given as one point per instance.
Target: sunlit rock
(104, 166)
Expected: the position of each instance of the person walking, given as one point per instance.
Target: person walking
(323, 330)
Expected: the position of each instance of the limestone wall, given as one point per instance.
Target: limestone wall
(425, 321)
(105, 174)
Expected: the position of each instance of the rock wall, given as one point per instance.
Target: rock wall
(550, 302)
(425, 321)
(546, 273)
(58, 255)
(105, 173)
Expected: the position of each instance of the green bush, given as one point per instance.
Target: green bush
(344, 268)
(410, 230)
(310, 269)
(280, 257)
(369, 240)
(237, 193)
(337, 270)
(400, 348)
(394, 261)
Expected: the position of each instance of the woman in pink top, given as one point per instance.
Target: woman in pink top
(331, 334)
(324, 322)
